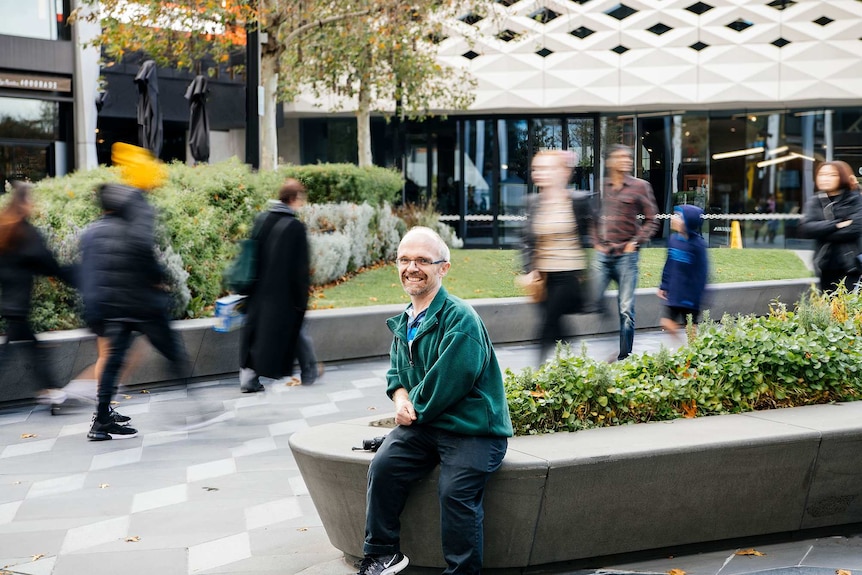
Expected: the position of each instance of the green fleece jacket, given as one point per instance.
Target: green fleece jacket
(451, 373)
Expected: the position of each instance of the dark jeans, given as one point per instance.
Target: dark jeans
(20, 337)
(306, 356)
(119, 333)
(829, 280)
(408, 454)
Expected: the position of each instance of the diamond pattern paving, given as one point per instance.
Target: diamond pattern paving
(220, 499)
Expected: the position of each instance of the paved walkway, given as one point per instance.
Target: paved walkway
(228, 498)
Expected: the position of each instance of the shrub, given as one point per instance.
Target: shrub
(787, 358)
(202, 212)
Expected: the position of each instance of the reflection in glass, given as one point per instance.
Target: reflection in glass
(25, 119)
(33, 19)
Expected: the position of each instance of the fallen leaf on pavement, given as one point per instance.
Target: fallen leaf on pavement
(753, 552)
(37, 557)
(293, 382)
(27, 435)
(843, 572)
(145, 391)
(676, 572)
(133, 539)
(303, 529)
(104, 485)
(210, 488)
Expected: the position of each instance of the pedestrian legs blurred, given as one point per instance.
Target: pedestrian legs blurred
(20, 337)
(310, 368)
(119, 337)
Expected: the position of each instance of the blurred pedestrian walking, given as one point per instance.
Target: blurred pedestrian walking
(558, 228)
(277, 302)
(833, 217)
(626, 221)
(23, 256)
(683, 279)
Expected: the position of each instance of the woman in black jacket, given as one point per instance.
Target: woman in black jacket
(559, 223)
(833, 217)
(23, 256)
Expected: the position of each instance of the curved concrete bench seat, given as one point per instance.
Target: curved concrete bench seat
(569, 496)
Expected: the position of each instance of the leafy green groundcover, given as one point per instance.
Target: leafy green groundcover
(809, 355)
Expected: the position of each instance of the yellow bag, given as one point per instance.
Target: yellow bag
(138, 167)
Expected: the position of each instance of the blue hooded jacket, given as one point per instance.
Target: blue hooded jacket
(686, 268)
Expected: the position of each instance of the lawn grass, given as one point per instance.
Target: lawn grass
(490, 274)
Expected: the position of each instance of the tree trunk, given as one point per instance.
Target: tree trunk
(363, 126)
(269, 79)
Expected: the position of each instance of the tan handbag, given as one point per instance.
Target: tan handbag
(533, 286)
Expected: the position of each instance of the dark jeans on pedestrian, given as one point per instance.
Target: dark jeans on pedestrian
(829, 280)
(306, 356)
(408, 454)
(119, 333)
(20, 337)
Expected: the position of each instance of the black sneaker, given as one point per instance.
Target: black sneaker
(383, 564)
(118, 417)
(110, 430)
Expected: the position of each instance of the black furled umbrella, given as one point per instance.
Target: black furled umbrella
(150, 134)
(199, 122)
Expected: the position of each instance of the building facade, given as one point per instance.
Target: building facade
(728, 104)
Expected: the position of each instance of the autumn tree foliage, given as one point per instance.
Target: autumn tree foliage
(371, 54)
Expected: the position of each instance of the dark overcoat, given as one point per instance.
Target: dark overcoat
(277, 303)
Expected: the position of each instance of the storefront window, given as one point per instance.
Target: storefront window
(44, 19)
(24, 119)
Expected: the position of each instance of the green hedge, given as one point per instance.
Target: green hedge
(810, 355)
(202, 210)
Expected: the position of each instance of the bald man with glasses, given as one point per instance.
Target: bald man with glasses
(450, 410)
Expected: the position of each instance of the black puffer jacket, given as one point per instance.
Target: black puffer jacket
(837, 248)
(19, 264)
(119, 276)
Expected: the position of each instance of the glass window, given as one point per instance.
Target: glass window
(25, 119)
(513, 176)
(34, 19)
(581, 140)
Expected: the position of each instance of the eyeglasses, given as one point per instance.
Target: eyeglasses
(420, 262)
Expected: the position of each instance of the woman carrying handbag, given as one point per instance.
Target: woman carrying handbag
(559, 222)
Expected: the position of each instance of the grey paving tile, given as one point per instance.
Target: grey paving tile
(775, 556)
(128, 562)
(836, 552)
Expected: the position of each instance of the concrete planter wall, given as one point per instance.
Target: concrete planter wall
(361, 332)
(571, 496)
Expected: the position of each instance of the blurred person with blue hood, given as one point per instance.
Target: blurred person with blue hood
(683, 280)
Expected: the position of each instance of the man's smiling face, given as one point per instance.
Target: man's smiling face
(419, 265)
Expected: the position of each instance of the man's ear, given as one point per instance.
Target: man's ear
(444, 269)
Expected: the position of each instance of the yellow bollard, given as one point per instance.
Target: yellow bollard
(735, 235)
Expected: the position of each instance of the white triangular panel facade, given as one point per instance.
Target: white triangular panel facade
(630, 55)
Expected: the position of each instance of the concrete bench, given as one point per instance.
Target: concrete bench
(570, 496)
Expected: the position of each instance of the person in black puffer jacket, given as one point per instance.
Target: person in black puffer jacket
(23, 256)
(833, 217)
(122, 285)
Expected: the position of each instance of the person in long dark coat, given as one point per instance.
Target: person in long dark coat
(276, 304)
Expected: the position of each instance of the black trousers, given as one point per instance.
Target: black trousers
(119, 333)
(20, 338)
(565, 294)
